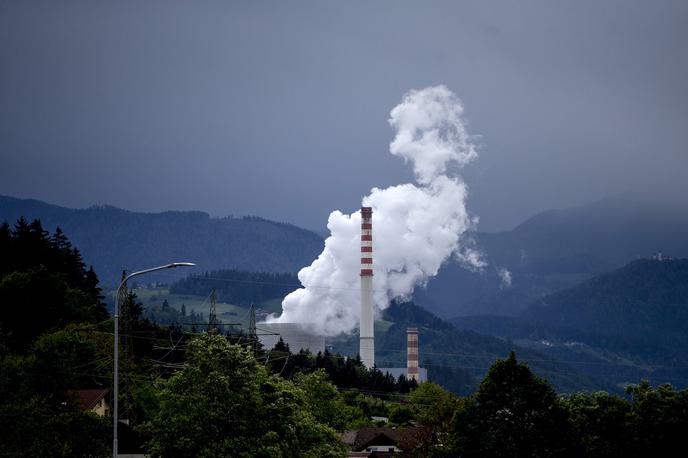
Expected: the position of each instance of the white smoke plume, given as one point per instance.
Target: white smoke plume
(416, 227)
(505, 278)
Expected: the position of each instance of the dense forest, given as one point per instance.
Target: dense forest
(623, 325)
(458, 359)
(238, 287)
(209, 394)
(45, 290)
(112, 239)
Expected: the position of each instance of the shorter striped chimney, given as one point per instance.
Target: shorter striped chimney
(412, 353)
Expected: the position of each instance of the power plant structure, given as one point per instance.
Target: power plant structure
(301, 336)
(366, 328)
(412, 369)
(412, 354)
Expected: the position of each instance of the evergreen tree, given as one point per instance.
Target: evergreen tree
(45, 275)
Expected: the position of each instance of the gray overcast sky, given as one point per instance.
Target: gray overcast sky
(280, 109)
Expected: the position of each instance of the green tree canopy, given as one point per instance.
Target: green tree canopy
(514, 414)
(225, 404)
(660, 419)
(602, 425)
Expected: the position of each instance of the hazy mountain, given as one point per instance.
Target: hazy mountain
(551, 251)
(112, 239)
(558, 249)
(632, 322)
(458, 359)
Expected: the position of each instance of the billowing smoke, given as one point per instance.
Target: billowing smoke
(416, 227)
(505, 278)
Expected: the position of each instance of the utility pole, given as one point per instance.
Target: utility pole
(212, 315)
(126, 346)
(252, 335)
(115, 342)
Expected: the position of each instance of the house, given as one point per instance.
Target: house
(383, 442)
(96, 400)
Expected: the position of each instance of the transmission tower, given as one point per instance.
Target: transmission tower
(252, 335)
(213, 327)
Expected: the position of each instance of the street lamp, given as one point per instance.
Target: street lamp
(116, 375)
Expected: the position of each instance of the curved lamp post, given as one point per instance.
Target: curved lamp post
(116, 371)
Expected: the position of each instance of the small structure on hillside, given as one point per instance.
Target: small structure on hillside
(94, 400)
(384, 442)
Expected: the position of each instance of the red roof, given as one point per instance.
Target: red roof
(87, 399)
(406, 439)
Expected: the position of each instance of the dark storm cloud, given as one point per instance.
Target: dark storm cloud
(280, 109)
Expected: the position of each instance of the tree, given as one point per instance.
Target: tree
(434, 409)
(225, 404)
(602, 425)
(325, 403)
(400, 415)
(36, 417)
(46, 276)
(660, 419)
(514, 414)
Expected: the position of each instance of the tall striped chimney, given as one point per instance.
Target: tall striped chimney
(367, 343)
(412, 353)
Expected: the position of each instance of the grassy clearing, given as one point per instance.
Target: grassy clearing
(155, 296)
(227, 313)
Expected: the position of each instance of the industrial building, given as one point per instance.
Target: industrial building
(299, 336)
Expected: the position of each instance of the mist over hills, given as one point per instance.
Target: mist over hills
(558, 249)
(112, 239)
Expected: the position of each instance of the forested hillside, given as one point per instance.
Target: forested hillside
(238, 287)
(112, 239)
(645, 302)
(628, 324)
(552, 251)
(458, 359)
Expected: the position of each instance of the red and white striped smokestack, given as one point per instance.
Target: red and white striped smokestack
(367, 337)
(412, 353)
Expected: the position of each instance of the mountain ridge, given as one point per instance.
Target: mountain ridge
(112, 239)
(636, 317)
(557, 249)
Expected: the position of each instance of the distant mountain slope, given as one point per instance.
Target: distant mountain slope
(112, 239)
(646, 301)
(558, 249)
(634, 319)
(458, 359)
(238, 287)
